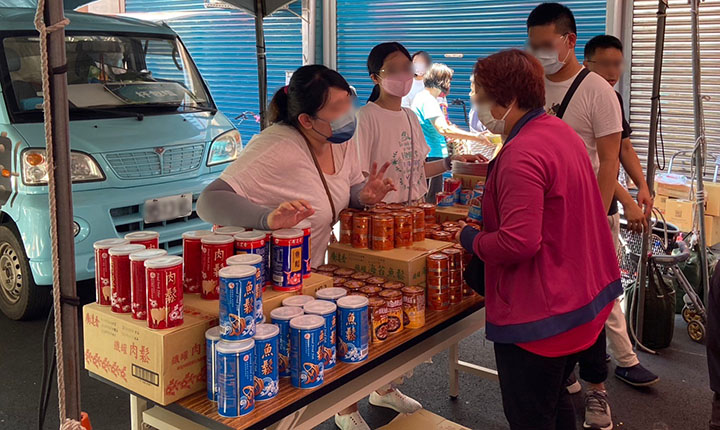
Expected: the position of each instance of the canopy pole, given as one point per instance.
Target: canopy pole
(652, 146)
(261, 60)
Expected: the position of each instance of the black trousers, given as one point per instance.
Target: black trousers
(712, 339)
(533, 387)
(435, 184)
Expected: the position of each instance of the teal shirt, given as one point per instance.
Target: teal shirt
(427, 108)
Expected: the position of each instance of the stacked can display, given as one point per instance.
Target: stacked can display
(438, 281)
(237, 302)
(353, 332)
(403, 229)
(257, 262)
(287, 261)
(164, 291)
(455, 266)
(360, 237)
(282, 317)
(120, 288)
(307, 337)
(102, 269)
(212, 337)
(267, 378)
(138, 286)
(383, 232)
(255, 242)
(327, 310)
(236, 377)
(216, 249)
(192, 259)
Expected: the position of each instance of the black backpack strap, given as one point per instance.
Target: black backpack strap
(571, 92)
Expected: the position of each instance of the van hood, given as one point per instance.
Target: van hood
(98, 136)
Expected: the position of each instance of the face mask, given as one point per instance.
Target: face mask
(496, 126)
(420, 68)
(549, 60)
(397, 85)
(343, 128)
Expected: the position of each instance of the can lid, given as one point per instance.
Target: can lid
(303, 225)
(142, 235)
(125, 249)
(217, 239)
(237, 271)
(331, 293)
(109, 243)
(376, 302)
(307, 322)
(390, 294)
(196, 234)
(250, 235)
(229, 230)
(266, 331)
(244, 259)
(233, 347)
(299, 301)
(320, 307)
(266, 232)
(287, 233)
(352, 302)
(147, 254)
(413, 289)
(285, 313)
(163, 262)
(213, 333)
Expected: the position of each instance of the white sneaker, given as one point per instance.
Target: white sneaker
(352, 421)
(395, 400)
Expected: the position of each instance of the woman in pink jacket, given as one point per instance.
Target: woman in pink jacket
(551, 273)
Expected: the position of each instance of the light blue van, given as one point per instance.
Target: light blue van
(145, 134)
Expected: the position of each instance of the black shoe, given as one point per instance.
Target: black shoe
(636, 375)
(572, 385)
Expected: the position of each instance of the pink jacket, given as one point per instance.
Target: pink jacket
(550, 263)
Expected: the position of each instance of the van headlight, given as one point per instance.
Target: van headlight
(83, 168)
(224, 148)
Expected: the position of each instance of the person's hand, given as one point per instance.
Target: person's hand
(476, 158)
(482, 139)
(645, 201)
(462, 226)
(289, 214)
(377, 185)
(635, 218)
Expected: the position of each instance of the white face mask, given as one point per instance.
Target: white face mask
(496, 126)
(549, 59)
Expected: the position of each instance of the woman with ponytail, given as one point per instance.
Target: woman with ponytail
(303, 166)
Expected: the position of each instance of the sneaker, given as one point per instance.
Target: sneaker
(352, 421)
(597, 411)
(572, 385)
(395, 400)
(636, 375)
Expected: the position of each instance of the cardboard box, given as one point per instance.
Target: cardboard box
(452, 213)
(422, 419)
(469, 181)
(675, 186)
(161, 365)
(712, 198)
(401, 264)
(712, 230)
(661, 203)
(680, 213)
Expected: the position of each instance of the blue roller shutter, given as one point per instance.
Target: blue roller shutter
(446, 29)
(222, 44)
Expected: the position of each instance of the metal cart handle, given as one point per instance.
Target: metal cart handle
(670, 260)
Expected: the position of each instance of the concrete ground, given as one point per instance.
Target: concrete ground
(680, 401)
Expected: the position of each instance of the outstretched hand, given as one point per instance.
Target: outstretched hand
(377, 185)
(476, 158)
(289, 214)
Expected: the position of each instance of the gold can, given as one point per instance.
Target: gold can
(378, 314)
(393, 285)
(377, 281)
(371, 290)
(413, 306)
(394, 302)
(344, 272)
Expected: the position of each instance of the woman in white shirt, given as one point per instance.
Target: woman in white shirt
(421, 64)
(303, 166)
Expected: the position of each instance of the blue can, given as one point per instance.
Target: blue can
(255, 261)
(212, 337)
(237, 302)
(287, 261)
(331, 294)
(236, 377)
(254, 242)
(281, 317)
(353, 332)
(475, 213)
(268, 256)
(267, 377)
(327, 310)
(307, 337)
(306, 228)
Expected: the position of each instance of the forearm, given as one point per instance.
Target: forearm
(631, 164)
(355, 201)
(607, 181)
(435, 168)
(623, 196)
(219, 204)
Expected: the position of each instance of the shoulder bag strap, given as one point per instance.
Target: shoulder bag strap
(571, 92)
(412, 157)
(322, 177)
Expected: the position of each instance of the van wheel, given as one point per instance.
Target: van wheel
(20, 298)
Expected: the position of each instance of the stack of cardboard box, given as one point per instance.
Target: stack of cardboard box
(676, 203)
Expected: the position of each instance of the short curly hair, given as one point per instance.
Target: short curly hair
(512, 75)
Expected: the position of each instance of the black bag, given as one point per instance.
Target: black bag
(475, 275)
(659, 317)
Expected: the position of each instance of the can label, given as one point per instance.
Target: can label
(120, 283)
(395, 315)
(283, 351)
(153, 243)
(138, 295)
(236, 379)
(329, 350)
(379, 324)
(212, 369)
(465, 197)
(237, 308)
(353, 335)
(266, 369)
(192, 262)
(414, 310)
(213, 259)
(306, 362)
(102, 277)
(287, 264)
(475, 213)
(255, 247)
(164, 297)
(306, 253)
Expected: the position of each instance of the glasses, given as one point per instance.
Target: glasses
(392, 71)
(607, 64)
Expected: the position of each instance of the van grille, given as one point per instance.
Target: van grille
(156, 162)
(127, 219)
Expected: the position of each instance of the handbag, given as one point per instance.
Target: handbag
(659, 316)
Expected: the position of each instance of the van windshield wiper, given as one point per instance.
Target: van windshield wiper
(117, 112)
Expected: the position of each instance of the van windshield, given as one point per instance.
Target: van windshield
(106, 73)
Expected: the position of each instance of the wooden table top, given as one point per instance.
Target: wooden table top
(198, 408)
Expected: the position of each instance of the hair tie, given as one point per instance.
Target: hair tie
(285, 88)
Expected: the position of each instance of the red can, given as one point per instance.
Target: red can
(138, 288)
(452, 185)
(229, 230)
(346, 226)
(151, 239)
(360, 237)
(192, 259)
(418, 223)
(455, 258)
(102, 269)
(216, 249)
(120, 276)
(164, 291)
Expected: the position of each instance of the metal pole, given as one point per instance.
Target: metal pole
(699, 155)
(309, 31)
(652, 144)
(261, 60)
(61, 190)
